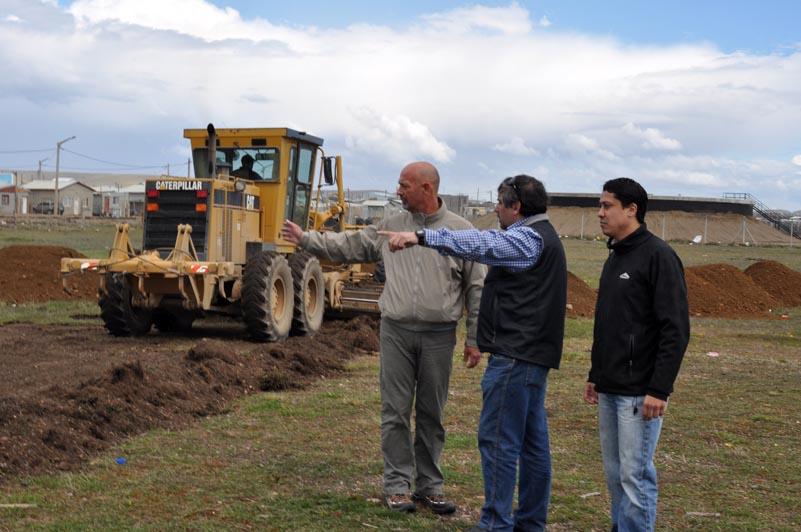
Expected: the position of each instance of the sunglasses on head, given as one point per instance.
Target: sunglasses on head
(512, 182)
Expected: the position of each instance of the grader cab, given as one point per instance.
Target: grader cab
(212, 244)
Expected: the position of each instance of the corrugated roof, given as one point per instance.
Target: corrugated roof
(49, 184)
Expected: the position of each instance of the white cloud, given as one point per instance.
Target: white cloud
(579, 143)
(545, 22)
(12, 18)
(652, 138)
(510, 20)
(516, 146)
(455, 82)
(398, 137)
(197, 18)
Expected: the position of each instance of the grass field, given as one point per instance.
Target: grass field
(310, 460)
(92, 237)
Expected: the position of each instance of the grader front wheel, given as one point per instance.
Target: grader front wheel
(267, 300)
(309, 288)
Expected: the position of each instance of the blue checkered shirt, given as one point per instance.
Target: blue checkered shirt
(517, 248)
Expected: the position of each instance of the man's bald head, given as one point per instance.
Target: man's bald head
(423, 172)
(418, 186)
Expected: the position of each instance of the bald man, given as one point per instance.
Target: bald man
(424, 297)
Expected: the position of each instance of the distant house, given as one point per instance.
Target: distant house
(456, 203)
(75, 197)
(119, 202)
(475, 209)
(11, 197)
(372, 210)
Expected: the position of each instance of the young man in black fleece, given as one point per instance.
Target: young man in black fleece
(642, 329)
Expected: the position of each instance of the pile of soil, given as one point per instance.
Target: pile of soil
(723, 291)
(783, 283)
(580, 297)
(30, 274)
(67, 393)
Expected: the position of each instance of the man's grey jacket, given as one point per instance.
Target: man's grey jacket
(423, 288)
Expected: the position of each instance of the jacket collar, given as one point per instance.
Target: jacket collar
(434, 217)
(630, 242)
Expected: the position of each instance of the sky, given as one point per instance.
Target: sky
(689, 98)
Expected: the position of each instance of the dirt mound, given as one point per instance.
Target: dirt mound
(783, 283)
(67, 393)
(31, 274)
(580, 297)
(723, 291)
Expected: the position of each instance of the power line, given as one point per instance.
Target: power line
(106, 162)
(85, 169)
(26, 151)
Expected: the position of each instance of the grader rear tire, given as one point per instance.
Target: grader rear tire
(119, 317)
(309, 288)
(267, 299)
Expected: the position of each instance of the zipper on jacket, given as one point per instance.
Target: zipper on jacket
(631, 355)
(494, 314)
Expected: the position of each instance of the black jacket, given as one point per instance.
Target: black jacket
(642, 324)
(522, 314)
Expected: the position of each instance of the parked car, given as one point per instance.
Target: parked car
(46, 207)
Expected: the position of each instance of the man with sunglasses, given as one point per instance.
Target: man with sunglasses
(521, 324)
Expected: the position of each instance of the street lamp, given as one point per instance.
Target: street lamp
(58, 157)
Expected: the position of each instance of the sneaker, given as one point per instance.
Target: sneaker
(436, 502)
(400, 502)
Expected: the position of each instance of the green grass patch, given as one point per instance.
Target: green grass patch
(50, 313)
(92, 237)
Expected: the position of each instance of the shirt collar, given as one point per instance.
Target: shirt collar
(529, 220)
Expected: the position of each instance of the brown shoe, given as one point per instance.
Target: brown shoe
(436, 502)
(400, 502)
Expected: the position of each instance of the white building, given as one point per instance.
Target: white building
(75, 197)
(119, 202)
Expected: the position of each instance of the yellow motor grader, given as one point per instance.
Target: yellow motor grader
(212, 244)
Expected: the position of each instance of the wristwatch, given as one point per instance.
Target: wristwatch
(421, 237)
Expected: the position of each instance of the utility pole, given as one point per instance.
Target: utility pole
(58, 158)
(39, 172)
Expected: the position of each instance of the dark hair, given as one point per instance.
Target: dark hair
(628, 191)
(529, 191)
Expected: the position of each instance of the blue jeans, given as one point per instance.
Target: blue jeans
(512, 431)
(628, 443)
